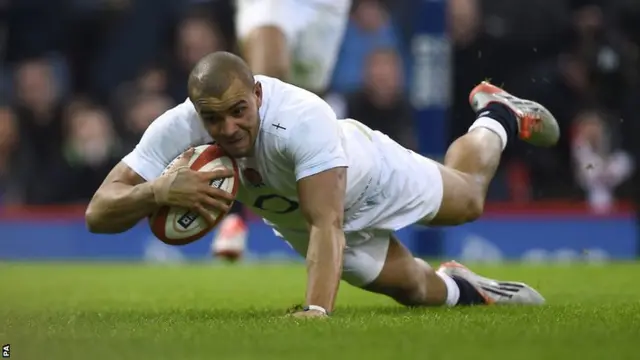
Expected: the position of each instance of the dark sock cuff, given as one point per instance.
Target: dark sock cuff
(468, 293)
(236, 208)
(504, 115)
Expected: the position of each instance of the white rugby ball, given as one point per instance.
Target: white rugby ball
(180, 226)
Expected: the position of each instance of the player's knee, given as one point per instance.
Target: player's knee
(474, 208)
(471, 202)
(463, 199)
(467, 209)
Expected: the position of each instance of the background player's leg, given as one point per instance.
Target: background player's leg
(264, 46)
(230, 240)
(318, 44)
(413, 282)
(266, 51)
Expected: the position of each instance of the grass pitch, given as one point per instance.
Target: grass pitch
(122, 311)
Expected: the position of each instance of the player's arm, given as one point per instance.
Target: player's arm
(134, 188)
(321, 166)
(123, 199)
(321, 201)
(126, 195)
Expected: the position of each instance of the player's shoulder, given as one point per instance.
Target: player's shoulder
(182, 115)
(285, 107)
(182, 118)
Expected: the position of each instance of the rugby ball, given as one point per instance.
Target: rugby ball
(180, 226)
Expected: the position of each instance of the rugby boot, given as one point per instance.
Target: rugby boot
(495, 291)
(536, 125)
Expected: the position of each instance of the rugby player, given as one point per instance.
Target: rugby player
(335, 190)
(295, 41)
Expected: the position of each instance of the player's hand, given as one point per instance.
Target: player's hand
(309, 314)
(191, 189)
(297, 311)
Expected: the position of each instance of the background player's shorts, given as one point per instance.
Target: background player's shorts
(314, 30)
(364, 255)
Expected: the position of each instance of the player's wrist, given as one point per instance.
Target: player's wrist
(316, 308)
(161, 186)
(152, 193)
(154, 188)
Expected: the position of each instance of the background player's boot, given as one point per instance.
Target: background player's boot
(230, 242)
(536, 125)
(495, 291)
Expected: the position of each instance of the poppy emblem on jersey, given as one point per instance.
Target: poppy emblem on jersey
(253, 177)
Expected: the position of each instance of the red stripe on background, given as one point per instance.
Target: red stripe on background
(494, 209)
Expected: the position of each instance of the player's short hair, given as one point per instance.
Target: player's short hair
(214, 73)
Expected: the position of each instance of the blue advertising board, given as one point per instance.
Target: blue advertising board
(546, 238)
(496, 238)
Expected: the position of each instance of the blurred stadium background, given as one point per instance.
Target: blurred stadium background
(80, 80)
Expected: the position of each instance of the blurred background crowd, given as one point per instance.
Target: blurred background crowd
(71, 105)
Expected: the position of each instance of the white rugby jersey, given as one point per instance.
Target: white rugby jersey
(299, 136)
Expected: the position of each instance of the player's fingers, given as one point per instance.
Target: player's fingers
(205, 214)
(217, 174)
(216, 193)
(212, 203)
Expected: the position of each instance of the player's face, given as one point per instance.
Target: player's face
(233, 120)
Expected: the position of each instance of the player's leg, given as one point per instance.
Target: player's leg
(377, 262)
(266, 51)
(471, 161)
(385, 266)
(265, 29)
(318, 44)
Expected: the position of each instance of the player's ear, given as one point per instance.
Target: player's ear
(257, 91)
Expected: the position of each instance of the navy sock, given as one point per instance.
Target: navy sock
(468, 293)
(504, 115)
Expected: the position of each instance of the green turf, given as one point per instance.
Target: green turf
(87, 311)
